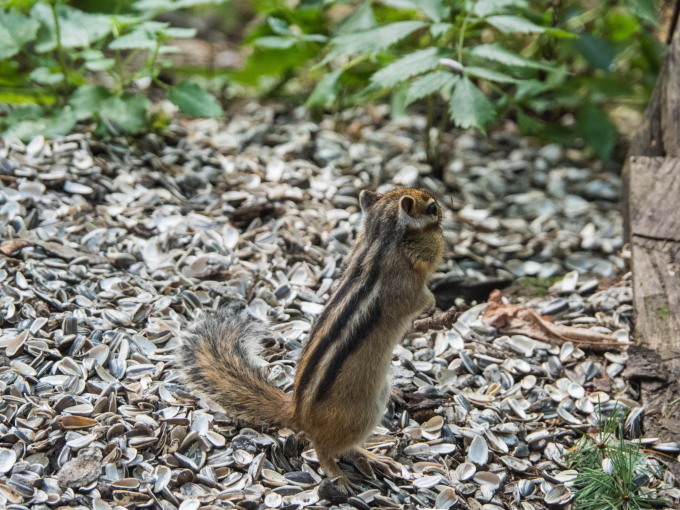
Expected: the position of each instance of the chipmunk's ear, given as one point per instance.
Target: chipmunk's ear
(367, 199)
(407, 204)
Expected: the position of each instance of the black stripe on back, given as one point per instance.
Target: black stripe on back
(334, 331)
(356, 338)
(344, 317)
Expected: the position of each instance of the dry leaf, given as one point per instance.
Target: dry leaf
(517, 320)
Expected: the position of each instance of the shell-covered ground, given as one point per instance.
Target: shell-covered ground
(109, 249)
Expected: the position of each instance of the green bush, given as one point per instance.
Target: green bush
(59, 65)
(558, 68)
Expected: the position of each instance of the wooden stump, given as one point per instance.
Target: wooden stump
(655, 239)
(651, 206)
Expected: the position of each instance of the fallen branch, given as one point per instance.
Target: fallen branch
(438, 320)
(516, 320)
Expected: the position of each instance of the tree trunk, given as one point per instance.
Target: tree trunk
(651, 206)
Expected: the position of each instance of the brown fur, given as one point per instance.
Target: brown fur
(342, 384)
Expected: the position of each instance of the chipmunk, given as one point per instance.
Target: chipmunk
(342, 385)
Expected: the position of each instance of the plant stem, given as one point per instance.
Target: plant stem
(428, 128)
(461, 38)
(57, 35)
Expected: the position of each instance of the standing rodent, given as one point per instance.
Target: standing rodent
(342, 384)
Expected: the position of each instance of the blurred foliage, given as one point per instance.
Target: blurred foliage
(60, 65)
(558, 68)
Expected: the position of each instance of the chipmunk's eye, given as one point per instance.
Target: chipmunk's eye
(432, 209)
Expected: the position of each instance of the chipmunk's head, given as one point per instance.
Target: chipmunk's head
(413, 216)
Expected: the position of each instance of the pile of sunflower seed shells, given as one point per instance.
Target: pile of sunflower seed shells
(108, 250)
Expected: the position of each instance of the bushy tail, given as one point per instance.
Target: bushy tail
(218, 358)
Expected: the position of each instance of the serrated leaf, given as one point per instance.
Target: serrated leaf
(373, 40)
(326, 91)
(489, 74)
(193, 99)
(598, 130)
(469, 107)
(16, 30)
(412, 64)
(498, 54)
(436, 81)
(124, 114)
(85, 101)
(78, 29)
(274, 42)
(514, 24)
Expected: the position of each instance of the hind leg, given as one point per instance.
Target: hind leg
(382, 463)
(332, 470)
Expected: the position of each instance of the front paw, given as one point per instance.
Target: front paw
(430, 301)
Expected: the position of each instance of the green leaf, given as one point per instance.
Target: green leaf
(78, 29)
(139, 39)
(530, 88)
(148, 35)
(483, 8)
(489, 74)
(598, 130)
(178, 32)
(124, 114)
(16, 30)
(621, 26)
(59, 123)
(193, 99)
(438, 29)
(598, 52)
(86, 101)
(314, 38)
(361, 18)
(45, 76)
(644, 9)
(469, 107)
(560, 34)
(100, 65)
(274, 42)
(279, 26)
(497, 54)
(326, 91)
(528, 125)
(436, 81)
(411, 65)
(436, 10)
(154, 7)
(513, 24)
(372, 41)
(398, 101)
